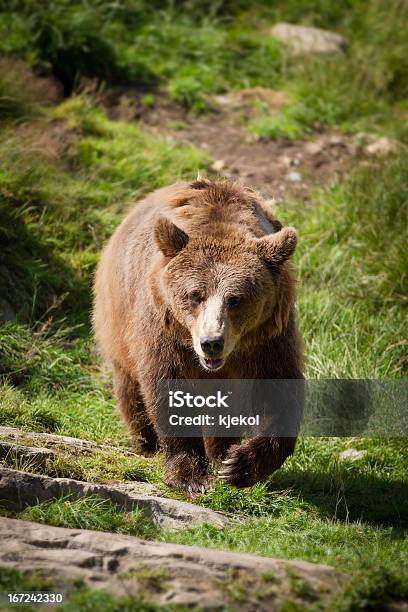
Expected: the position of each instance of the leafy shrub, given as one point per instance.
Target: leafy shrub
(271, 127)
(188, 91)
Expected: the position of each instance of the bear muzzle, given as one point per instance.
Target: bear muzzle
(212, 347)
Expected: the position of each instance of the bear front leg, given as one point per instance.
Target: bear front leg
(186, 465)
(255, 460)
(131, 405)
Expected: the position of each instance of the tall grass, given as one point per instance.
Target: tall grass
(353, 274)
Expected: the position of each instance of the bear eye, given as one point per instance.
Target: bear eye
(233, 301)
(196, 298)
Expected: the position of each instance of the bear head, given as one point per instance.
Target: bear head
(222, 286)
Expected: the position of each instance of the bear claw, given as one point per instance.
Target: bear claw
(238, 470)
(191, 487)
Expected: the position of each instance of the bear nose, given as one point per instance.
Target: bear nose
(212, 345)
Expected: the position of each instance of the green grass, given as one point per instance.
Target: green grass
(15, 103)
(90, 513)
(195, 61)
(352, 264)
(63, 210)
(351, 515)
(357, 90)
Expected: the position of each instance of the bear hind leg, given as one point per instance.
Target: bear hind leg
(187, 465)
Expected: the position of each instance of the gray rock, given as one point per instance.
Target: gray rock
(243, 98)
(351, 454)
(83, 446)
(315, 147)
(164, 573)
(20, 452)
(136, 487)
(33, 455)
(294, 177)
(20, 489)
(303, 40)
(336, 140)
(382, 147)
(218, 165)
(285, 160)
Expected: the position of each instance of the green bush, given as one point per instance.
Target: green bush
(188, 91)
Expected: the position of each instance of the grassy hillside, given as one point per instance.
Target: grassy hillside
(68, 174)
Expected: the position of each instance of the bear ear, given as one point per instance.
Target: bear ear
(201, 182)
(169, 238)
(277, 248)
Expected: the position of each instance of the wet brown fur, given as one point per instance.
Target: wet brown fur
(141, 332)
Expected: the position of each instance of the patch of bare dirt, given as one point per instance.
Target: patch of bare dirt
(277, 168)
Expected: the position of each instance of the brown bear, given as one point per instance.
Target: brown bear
(196, 283)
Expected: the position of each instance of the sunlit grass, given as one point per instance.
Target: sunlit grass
(90, 513)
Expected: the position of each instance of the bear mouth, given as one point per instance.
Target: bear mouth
(211, 364)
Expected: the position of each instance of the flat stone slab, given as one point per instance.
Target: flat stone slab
(21, 489)
(16, 449)
(21, 436)
(164, 573)
(33, 455)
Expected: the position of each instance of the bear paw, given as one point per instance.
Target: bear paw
(188, 473)
(198, 484)
(238, 469)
